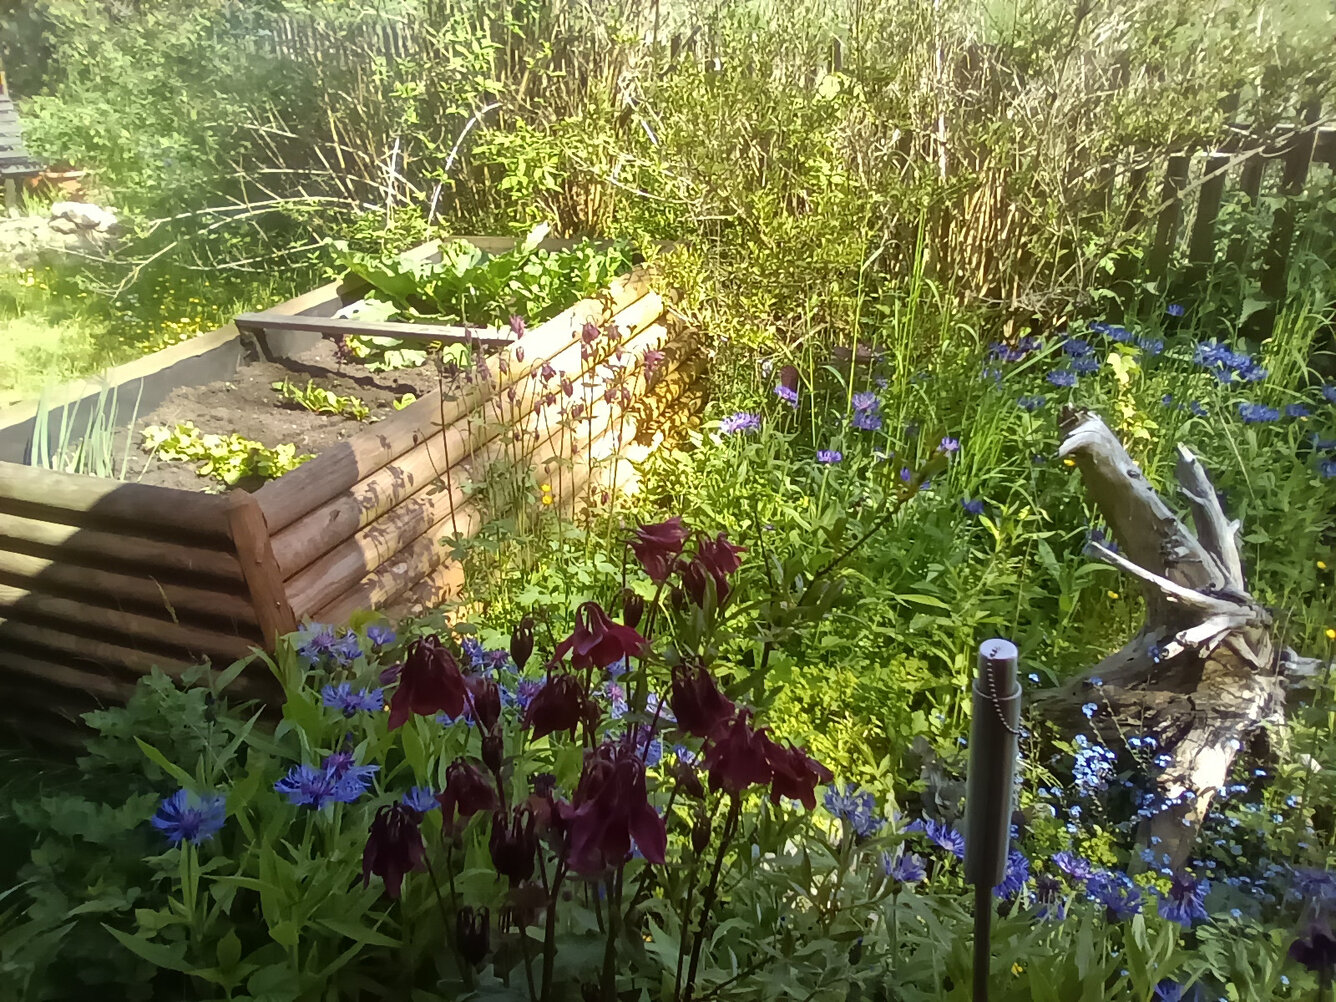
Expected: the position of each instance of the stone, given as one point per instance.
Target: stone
(64, 226)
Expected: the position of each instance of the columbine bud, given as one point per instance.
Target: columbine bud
(567, 387)
(517, 326)
(493, 752)
(521, 643)
(688, 783)
(519, 353)
(633, 608)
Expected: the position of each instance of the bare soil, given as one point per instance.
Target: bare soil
(248, 405)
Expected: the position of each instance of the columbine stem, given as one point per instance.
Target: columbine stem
(550, 933)
(711, 889)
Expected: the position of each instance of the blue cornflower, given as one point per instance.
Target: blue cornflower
(1016, 876)
(1316, 886)
(1257, 413)
(1077, 347)
(1033, 677)
(865, 401)
(1099, 326)
(1172, 991)
(1184, 902)
(1151, 345)
(1119, 334)
(348, 648)
(949, 445)
(972, 507)
(421, 799)
(618, 668)
(829, 456)
(740, 423)
(1327, 468)
(319, 646)
(184, 817)
(1084, 366)
(1077, 868)
(906, 868)
(906, 474)
(527, 689)
(1089, 709)
(942, 835)
(1103, 539)
(350, 780)
(380, 636)
(1329, 394)
(342, 697)
(866, 421)
(1167, 400)
(1196, 408)
(1062, 377)
(1174, 310)
(855, 809)
(788, 394)
(473, 650)
(1116, 892)
(1297, 411)
(1030, 404)
(307, 786)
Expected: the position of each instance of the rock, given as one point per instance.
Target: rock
(84, 215)
(64, 225)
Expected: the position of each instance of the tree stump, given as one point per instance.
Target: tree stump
(1205, 674)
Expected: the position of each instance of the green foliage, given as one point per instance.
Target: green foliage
(91, 450)
(471, 286)
(319, 400)
(229, 459)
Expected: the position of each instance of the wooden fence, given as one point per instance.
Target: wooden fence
(99, 580)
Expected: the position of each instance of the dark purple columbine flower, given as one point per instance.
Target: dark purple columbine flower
(1316, 948)
(657, 547)
(350, 702)
(597, 641)
(429, 683)
(1174, 310)
(184, 817)
(1015, 877)
(651, 360)
(557, 706)
(904, 868)
(394, 847)
(467, 791)
(698, 705)
(794, 773)
(971, 507)
(514, 844)
(610, 812)
(736, 756)
(829, 456)
(740, 423)
(484, 701)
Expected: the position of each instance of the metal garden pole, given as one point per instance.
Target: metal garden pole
(989, 791)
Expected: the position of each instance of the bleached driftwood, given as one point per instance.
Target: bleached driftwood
(1205, 674)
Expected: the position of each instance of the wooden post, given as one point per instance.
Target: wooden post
(1166, 229)
(1300, 155)
(1250, 184)
(1201, 248)
(250, 535)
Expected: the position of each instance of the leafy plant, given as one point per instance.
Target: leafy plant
(92, 451)
(228, 459)
(319, 400)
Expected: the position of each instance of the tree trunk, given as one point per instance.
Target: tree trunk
(1205, 672)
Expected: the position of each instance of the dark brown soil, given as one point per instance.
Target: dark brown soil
(250, 406)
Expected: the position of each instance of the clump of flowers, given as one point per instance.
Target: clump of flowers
(740, 423)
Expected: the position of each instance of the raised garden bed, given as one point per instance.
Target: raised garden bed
(100, 579)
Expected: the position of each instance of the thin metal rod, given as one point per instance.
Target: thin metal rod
(983, 918)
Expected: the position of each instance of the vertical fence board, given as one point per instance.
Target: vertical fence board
(1250, 184)
(1201, 246)
(1166, 226)
(1297, 161)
